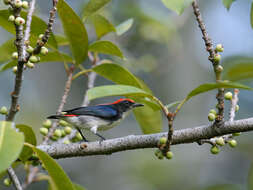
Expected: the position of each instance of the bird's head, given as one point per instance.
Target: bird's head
(125, 104)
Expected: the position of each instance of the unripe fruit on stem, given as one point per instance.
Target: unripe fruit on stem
(6, 2)
(54, 138)
(236, 134)
(228, 96)
(4, 110)
(11, 18)
(211, 117)
(19, 21)
(63, 134)
(213, 111)
(14, 55)
(157, 152)
(169, 155)
(66, 142)
(162, 140)
(43, 131)
(47, 123)
(57, 133)
(67, 130)
(44, 50)
(41, 36)
(30, 65)
(25, 4)
(219, 68)
(14, 69)
(217, 58)
(63, 123)
(219, 48)
(7, 182)
(78, 136)
(33, 59)
(232, 143)
(215, 150)
(29, 49)
(18, 3)
(220, 141)
(237, 108)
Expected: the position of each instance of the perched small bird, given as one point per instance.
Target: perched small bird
(98, 117)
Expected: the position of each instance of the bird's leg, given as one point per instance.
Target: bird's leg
(94, 131)
(84, 139)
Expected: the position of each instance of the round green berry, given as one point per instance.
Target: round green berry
(25, 4)
(63, 123)
(41, 36)
(228, 96)
(44, 51)
(30, 65)
(157, 152)
(219, 48)
(232, 143)
(211, 117)
(67, 130)
(14, 69)
(14, 55)
(78, 136)
(162, 140)
(217, 58)
(215, 150)
(6, 2)
(29, 49)
(4, 110)
(7, 182)
(44, 131)
(54, 138)
(11, 18)
(66, 142)
(17, 3)
(219, 68)
(169, 155)
(47, 123)
(33, 59)
(19, 21)
(213, 111)
(57, 133)
(63, 134)
(236, 134)
(220, 141)
(237, 108)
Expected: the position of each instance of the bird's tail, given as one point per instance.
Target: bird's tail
(55, 117)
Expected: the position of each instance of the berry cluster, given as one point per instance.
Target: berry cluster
(159, 153)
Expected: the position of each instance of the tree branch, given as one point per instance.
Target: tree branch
(131, 142)
(14, 178)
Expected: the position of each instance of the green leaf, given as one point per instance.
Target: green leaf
(227, 3)
(177, 5)
(116, 90)
(93, 6)
(74, 31)
(38, 26)
(105, 47)
(6, 49)
(78, 187)
(102, 25)
(121, 75)
(242, 71)
(29, 138)
(59, 177)
(124, 26)
(61, 40)
(210, 86)
(11, 144)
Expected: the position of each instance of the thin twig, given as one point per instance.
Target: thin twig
(211, 51)
(188, 135)
(14, 178)
(29, 20)
(233, 105)
(30, 176)
(62, 103)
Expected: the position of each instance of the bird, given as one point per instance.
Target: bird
(98, 117)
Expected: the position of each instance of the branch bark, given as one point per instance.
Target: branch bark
(14, 178)
(131, 142)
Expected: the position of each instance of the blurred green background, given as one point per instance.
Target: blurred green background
(168, 53)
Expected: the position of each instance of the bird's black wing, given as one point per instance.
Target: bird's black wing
(102, 111)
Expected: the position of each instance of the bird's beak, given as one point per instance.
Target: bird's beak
(137, 105)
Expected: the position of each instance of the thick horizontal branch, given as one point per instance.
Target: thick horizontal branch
(131, 142)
